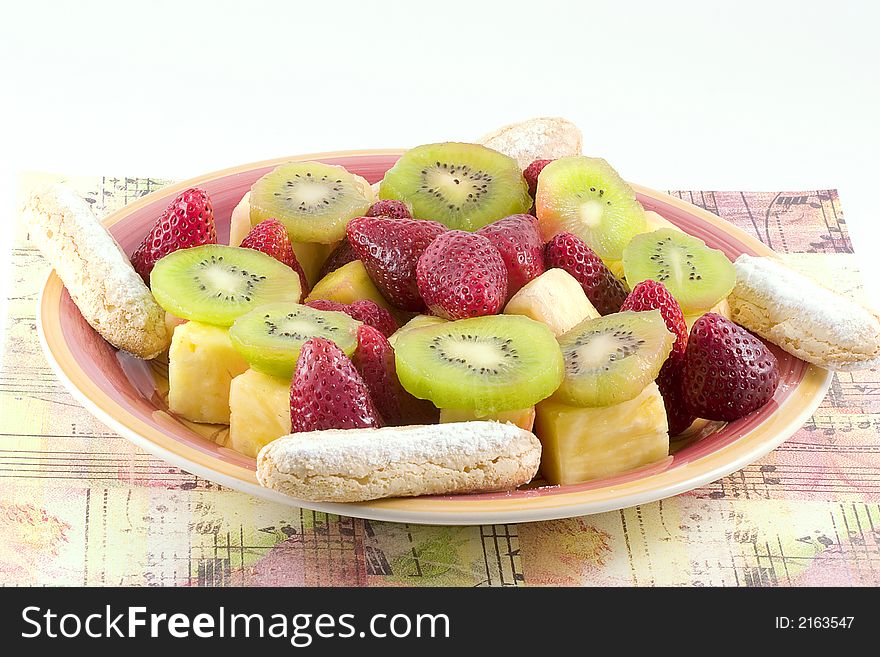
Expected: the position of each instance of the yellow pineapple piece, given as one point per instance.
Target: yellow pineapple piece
(524, 418)
(416, 322)
(722, 308)
(240, 223)
(348, 284)
(583, 443)
(555, 298)
(654, 221)
(311, 257)
(259, 411)
(201, 365)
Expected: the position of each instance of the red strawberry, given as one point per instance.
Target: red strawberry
(363, 310)
(519, 242)
(341, 255)
(728, 372)
(669, 381)
(187, 221)
(390, 208)
(369, 312)
(651, 295)
(270, 237)
(603, 289)
(462, 275)
(327, 392)
(390, 250)
(374, 359)
(531, 174)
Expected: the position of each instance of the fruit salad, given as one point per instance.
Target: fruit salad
(464, 292)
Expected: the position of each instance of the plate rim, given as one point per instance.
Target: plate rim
(711, 467)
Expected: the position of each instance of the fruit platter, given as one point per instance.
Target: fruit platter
(487, 332)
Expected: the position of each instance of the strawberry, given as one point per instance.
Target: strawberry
(341, 255)
(531, 174)
(390, 250)
(187, 221)
(519, 242)
(374, 359)
(327, 392)
(390, 208)
(728, 372)
(270, 237)
(369, 312)
(669, 381)
(603, 289)
(363, 310)
(462, 275)
(651, 295)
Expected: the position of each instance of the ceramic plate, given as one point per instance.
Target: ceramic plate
(129, 395)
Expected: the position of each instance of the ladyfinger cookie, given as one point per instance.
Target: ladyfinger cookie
(804, 318)
(354, 465)
(545, 138)
(109, 293)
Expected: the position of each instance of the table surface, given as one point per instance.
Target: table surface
(80, 505)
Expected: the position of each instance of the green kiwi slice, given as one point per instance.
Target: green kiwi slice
(464, 186)
(484, 364)
(216, 284)
(314, 201)
(697, 276)
(270, 337)
(585, 196)
(611, 359)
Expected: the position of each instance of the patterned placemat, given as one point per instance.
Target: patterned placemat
(80, 505)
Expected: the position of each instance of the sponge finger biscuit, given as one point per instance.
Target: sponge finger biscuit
(355, 465)
(546, 138)
(111, 296)
(804, 318)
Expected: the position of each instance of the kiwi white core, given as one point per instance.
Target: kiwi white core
(484, 355)
(313, 192)
(459, 185)
(591, 212)
(225, 282)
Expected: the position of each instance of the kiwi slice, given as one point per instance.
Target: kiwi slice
(216, 284)
(313, 200)
(585, 196)
(610, 359)
(270, 337)
(464, 186)
(697, 276)
(484, 364)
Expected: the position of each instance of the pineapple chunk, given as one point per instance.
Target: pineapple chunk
(583, 443)
(722, 308)
(311, 256)
(259, 411)
(348, 284)
(654, 221)
(555, 298)
(240, 223)
(524, 418)
(201, 364)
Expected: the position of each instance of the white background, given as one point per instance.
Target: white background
(676, 95)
